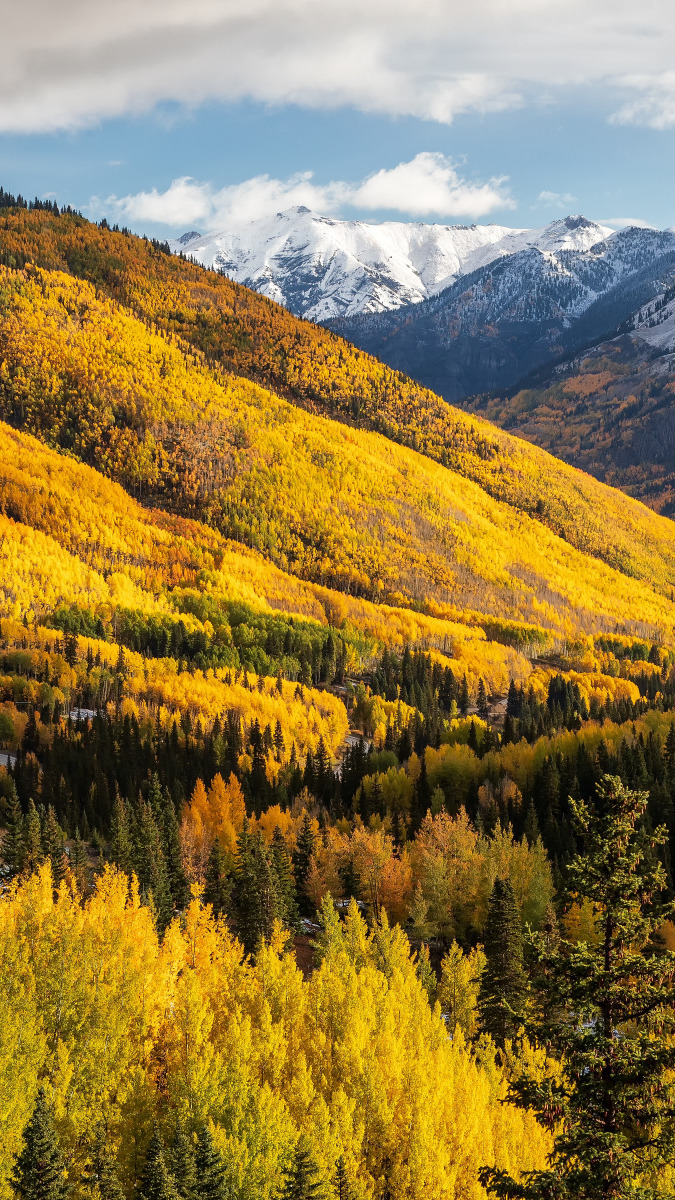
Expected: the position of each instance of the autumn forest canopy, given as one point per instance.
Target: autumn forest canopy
(337, 765)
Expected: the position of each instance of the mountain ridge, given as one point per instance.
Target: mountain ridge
(322, 267)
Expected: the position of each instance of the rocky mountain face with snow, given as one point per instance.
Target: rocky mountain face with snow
(320, 268)
(522, 312)
(464, 309)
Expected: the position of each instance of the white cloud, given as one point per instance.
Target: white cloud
(654, 104)
(625, 223)
(70, 64)
(427, 186)
(557, 199)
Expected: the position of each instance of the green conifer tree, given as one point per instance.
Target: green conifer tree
(181, 1162)
(13, 846)
(288, 904)
(54, 845)
(150, 863)
(32, 839)
(302, 858)
(121, 838)
(39, 1170)
(256, 899)
(303, 1180)
(217, 881)
(156, 1182)
(503, 985)
(606, 1007)
(210, 1169)
(341, 1185)
(100, 1176)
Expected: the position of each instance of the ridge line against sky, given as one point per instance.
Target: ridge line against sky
(423, 109)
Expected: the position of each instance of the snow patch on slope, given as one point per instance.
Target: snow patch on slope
(321, 267)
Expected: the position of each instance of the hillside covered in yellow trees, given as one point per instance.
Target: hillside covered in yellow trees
(305, 679)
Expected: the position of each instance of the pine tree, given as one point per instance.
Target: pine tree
(217, 883)
(501, 999)
(156, 1182)
(302, 860)
(13, 848)
(54, 845)
(303, 1181)
(121, 840)
(288, 903)
(256, 901)
(32, 839)
(607, 1010)
(210, 1169)
(39, 1171)
(150, 863)
(341, 1185)
(100, 1176)
(482, 701)
(181, 1162)
(78, 862)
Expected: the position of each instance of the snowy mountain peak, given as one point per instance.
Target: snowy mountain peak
(323, 267)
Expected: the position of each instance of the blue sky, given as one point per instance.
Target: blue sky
(486, 114)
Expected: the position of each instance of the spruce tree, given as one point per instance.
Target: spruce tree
(39, 1170)
(156, 1182)
(181, 1162)
(210, 1169)
(54, 845)
(288, 904)
(13, 846)
(100, 1176)
(302, 858)
(605, 1010)
(256, 900)
(32, 839)
(303, 1181)
(341, 1185)
(217, 883)
(501, 999)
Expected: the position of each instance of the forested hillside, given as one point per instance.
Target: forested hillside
(609, 413)
(299, 725)
(238, 331)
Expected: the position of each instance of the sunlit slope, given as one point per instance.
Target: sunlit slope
(241, 331)
(336, 506)
(70, 536)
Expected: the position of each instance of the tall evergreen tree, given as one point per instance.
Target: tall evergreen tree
(181, 1162)
(341, 1185)
(302, 858)
(606, 1009)
(13, 846)
(54, 845)
(100, 1176)
(303, 1181)
(32, 839)
(156, 1182)
(210, 1168)
(256, 900)
(501, 998)
(39, 1170)
(217, 881)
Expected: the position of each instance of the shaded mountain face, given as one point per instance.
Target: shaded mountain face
(322, 268)
(520, 313)
(609, 411)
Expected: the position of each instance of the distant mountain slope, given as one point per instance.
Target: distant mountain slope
(609, 411)
(494, 327)
(141, 374)
(321, 267)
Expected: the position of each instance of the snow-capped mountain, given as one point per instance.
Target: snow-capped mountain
(322, 268)
(522, 311)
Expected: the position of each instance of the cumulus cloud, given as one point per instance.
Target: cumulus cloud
(427, 186)
(70, 64)
(556, 199)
